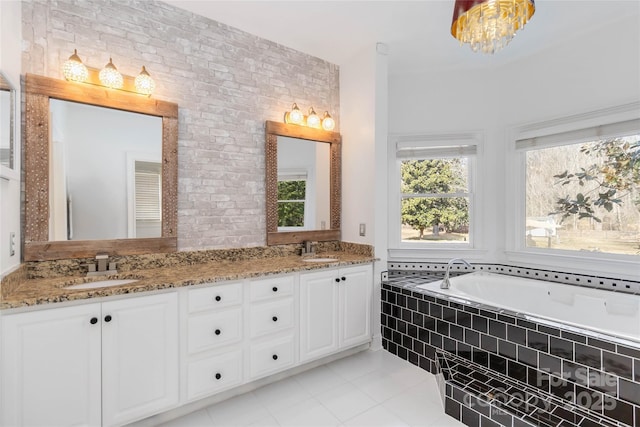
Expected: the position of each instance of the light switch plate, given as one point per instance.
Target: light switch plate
(363, 229)
(12, 243)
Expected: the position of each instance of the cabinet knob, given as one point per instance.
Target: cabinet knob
(218, 297)
(93, 320)
(337, 280)
(343, 278)
(275, 357)
(217, 331)
(274, 289)
(107, 318)
(274, 318)
(218, 376)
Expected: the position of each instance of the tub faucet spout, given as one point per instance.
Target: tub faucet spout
(445, 282)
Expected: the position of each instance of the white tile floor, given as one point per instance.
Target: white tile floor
(371, 388)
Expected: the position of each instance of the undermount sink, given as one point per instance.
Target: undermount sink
(320, 259)
(101, 284)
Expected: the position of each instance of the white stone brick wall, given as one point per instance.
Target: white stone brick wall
(226, 82)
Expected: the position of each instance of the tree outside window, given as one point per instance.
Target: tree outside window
(291, 200)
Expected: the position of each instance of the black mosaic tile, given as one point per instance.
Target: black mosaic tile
(486, 422)
(603, 382)
(562, 389)
(575, 372)
(449, 344)
(449, 314)
(573, 337)
(463, 319)
(526, 324)
(412, 331)
(470, 417)
(617, 364)
(589, 356)
(636, 370)
(489, 343)
(507, 349)
(630, 391)
(561, 348)
(435, 310)
(497, 329)
(618, 410)
(601, 344)
(549, 330)
(488, 314)
(464, 350)
(452, 408)
(502, 417)
(589, 399)
(550, 364)
(402, 353)
(538, 340)
(479, 323)
(472, 337)
(456, 332)
(429, 322)
(481, 357)
(629, 351)
(517, 371)
(442, 327)
(527, 356)
(507, 319)
(517, 335)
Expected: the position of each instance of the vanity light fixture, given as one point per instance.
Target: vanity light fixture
(327, 122)
(294, 116)
(313, 121)
(110, 76)
(489, 25)
(74, 70)
(144, 83)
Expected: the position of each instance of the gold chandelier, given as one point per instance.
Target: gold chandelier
(489, 25)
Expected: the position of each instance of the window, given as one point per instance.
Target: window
(582, 190)
(292, 195)
(435, 192)
(148, 199)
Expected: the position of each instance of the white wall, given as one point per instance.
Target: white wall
(10, 58)
(596, 70)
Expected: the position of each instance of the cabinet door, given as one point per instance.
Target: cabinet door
(139, 357)
(318, 314)
(355, 305)
(51, 367)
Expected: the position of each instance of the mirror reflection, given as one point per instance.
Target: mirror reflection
(105, 173)
(303, 184)
(7, 108)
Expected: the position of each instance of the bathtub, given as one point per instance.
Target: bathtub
(599, 313)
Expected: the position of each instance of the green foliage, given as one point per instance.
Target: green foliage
(439, 176)
(291, 196)
(614, 173)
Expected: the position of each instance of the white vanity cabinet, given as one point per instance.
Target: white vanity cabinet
(95, 364)
(214, 337)
(272, 346)
(335, 310)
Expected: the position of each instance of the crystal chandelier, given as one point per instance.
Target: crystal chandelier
(489, 25)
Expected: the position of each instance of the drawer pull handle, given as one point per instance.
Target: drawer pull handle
(93, 320)
(274, 289)
(218, 376)
(337, 280)
(343, 278)
(275, 357)
(107, 318)
(274, 318)
(217, 331)
(218, 298)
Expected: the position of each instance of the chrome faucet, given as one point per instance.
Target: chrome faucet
(445, 282)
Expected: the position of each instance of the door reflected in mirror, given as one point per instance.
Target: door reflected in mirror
(303, 184)
(105, 173)
(7, 111)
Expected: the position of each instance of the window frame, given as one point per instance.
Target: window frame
(434, 146)
(576, 128)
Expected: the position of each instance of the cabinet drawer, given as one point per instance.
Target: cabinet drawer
(214, 329)
(271, 317)
(271, 356)
(213, 374)
(216, 296)
(271, 288)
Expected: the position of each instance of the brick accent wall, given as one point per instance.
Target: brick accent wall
(226, 82)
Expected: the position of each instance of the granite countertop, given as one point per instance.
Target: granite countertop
(32, 292)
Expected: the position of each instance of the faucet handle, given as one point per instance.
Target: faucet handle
(102, 256)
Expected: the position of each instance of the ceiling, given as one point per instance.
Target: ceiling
(417, 33)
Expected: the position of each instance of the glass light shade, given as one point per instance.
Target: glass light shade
(110, 76)
(313, 121)
(144, 83)
(327, 122)
(73, 69)
(489, 25)
(294, 116)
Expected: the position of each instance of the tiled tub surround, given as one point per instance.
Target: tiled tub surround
(37, 283)
(601, 376)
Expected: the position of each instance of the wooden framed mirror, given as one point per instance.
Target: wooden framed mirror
(40, 239)
(318, 203)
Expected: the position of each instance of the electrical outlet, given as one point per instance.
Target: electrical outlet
(384, 276)
(323, 225)
(12, 243)
(363, 229)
